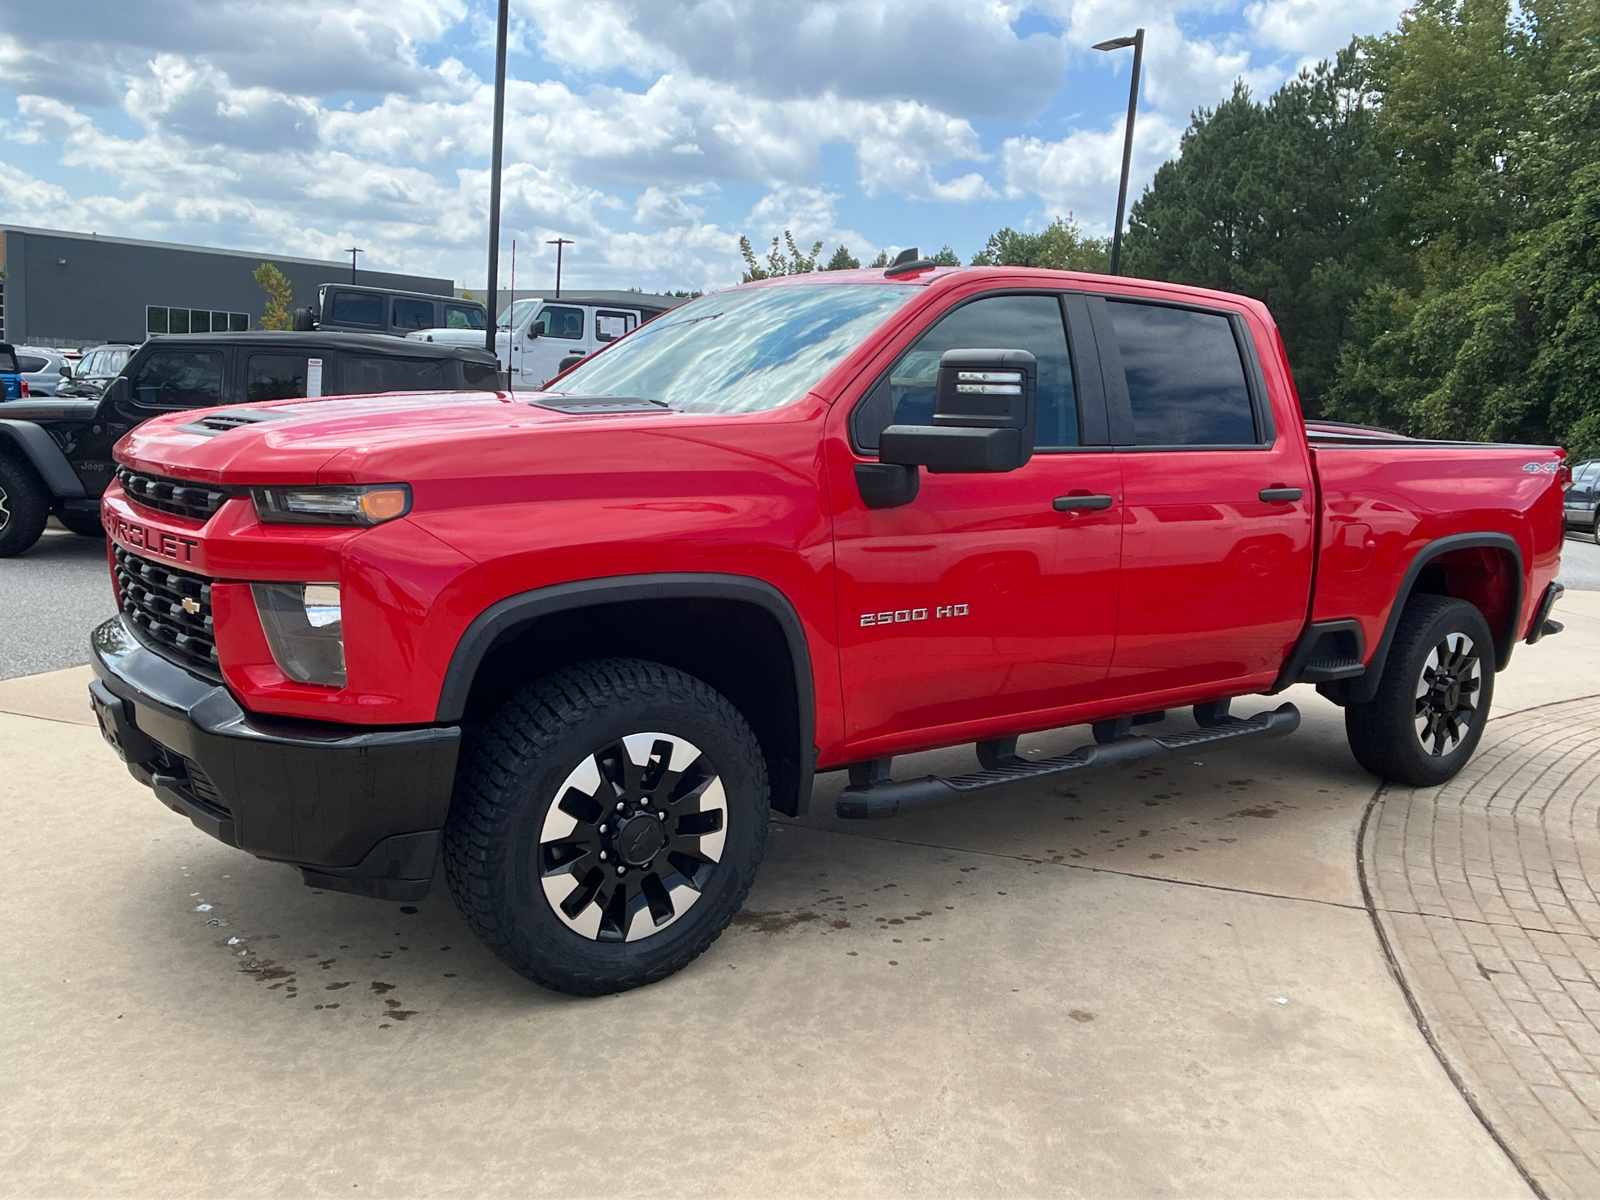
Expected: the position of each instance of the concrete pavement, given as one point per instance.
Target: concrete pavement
(1155, 982)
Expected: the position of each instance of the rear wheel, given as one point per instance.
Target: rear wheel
(24, 507)
(1431, 705)
(607, 824)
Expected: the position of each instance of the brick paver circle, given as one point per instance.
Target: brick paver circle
(1485, 892)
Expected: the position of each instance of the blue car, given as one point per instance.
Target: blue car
(10, 374)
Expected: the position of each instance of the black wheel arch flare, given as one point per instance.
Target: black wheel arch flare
(506, 619)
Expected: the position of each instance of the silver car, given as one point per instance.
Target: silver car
(44, 369)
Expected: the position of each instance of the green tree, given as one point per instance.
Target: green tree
(279, 295)
(1489, 327)
(1275, 201)
(881, 261)
(778, 262)
(1060, 246)
(842, 260)
(946, 257)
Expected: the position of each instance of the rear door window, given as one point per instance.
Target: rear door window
(1186, 380)
(463, 316)
(560, 322)
(361, 374)
(609, 326)
(275, 377)
(1032, 323)
(357, 308)
(178, 379)
(412, 314)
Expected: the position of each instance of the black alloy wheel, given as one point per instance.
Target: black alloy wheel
(1424, 722)
(635, 832)
(1447, 694)
(607, 823)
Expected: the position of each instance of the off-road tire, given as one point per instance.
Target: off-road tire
(1383, 732)
(24, 506)
(512, 767)
(84, 524)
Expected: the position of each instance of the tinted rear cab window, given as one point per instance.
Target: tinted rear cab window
(1186, 380)
(8, 363)
(275, 377)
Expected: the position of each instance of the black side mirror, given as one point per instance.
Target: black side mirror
(117, 392)
(985, 407)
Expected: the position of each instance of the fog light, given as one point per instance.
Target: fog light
(305, 629)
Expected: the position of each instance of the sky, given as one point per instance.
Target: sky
(653, 133)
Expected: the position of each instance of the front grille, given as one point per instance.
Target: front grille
(153, 597)
(196, 501)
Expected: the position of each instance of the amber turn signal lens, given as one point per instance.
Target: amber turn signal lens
(384, 504)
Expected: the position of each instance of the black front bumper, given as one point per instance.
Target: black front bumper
(355, 811)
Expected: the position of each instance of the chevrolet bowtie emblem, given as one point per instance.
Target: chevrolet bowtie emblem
(191, 605)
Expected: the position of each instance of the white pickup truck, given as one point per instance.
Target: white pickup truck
(537, 338)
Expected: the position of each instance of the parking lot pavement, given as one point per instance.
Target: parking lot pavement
(1580, 563)
(1155, 981)
(50, 598)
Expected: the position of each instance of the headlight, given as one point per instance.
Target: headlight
(305, 628)
(367, 504)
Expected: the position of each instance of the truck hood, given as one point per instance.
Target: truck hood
(291, 441)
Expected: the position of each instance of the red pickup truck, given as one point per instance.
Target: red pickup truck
(594, 634)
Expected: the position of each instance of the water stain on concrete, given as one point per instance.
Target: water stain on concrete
(772, 922)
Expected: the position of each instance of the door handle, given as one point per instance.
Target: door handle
(1081, 503)
(1273, 495)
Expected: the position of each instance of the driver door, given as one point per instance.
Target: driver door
(979, 599)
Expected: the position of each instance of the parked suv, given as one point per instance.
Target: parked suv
(95, 369)
(44, 369)
(578, 643)
(55, 454)
(538, 338)
(12, 384)
(1582, 502)
(355, 308)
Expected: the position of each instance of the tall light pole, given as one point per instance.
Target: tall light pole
(494, 172)
(558, 243)
(1122, 43)
(352, 252)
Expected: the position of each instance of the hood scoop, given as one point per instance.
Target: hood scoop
(220, 422)
(585, 405)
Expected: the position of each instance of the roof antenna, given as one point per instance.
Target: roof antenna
(908, 262)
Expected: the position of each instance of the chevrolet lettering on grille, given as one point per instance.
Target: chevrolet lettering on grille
(153, 541)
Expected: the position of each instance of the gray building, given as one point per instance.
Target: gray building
(79, 289)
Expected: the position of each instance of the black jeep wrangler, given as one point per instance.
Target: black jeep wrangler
(55, 453)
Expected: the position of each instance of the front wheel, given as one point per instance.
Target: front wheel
(607, 824)
(24, 507)
(1433, 700)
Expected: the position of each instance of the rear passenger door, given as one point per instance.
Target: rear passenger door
(1216, 579)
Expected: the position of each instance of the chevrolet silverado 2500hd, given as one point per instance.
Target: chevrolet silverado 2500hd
(580, 642)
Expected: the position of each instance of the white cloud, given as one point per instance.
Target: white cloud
(1076, 173)
(959, 55)
(1316, 29)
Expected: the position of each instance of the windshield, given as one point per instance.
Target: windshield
(739, 351)
(515, 314)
